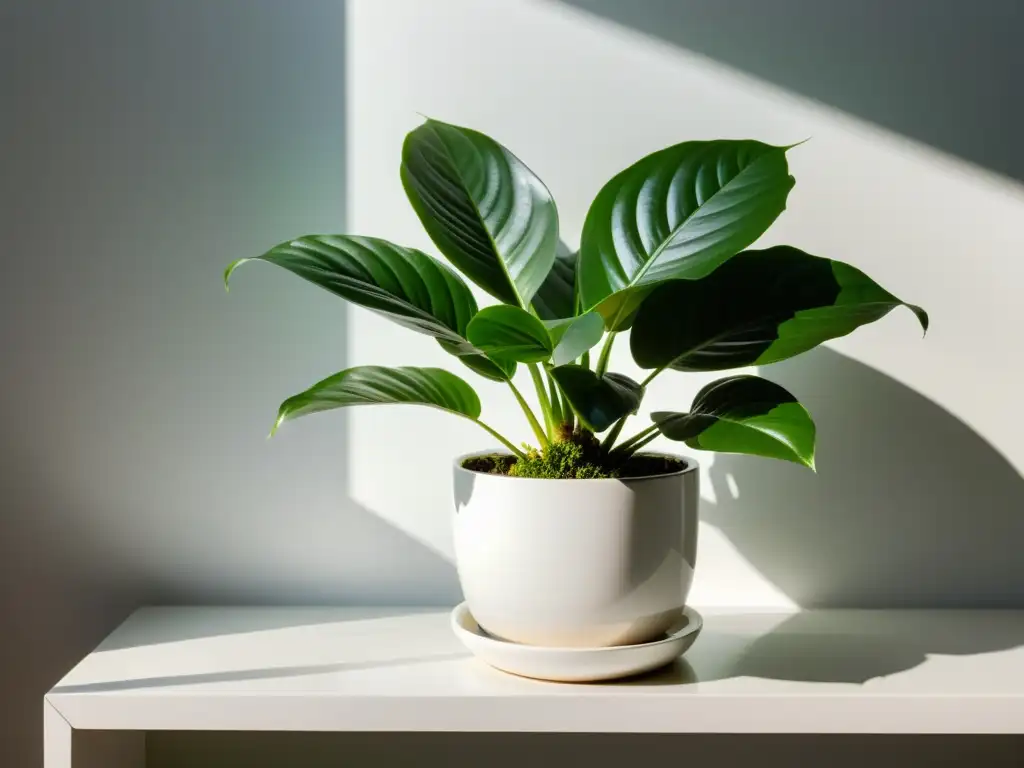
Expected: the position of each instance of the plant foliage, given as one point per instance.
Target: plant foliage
(663, 257)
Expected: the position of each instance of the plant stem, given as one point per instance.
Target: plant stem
(585, 359)
(538, 430)
(638, 437)
(504, 441)
(609, 440)
(638, 445)
(631, 446)
(648, 380)
(606, 351)
(557, 414)
(542, 396)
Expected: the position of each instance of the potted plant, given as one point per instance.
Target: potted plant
(583, 539)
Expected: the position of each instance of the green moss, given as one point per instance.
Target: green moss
(576, 458)
(496, 464)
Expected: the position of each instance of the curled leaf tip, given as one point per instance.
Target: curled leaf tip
(277, 423)
(230, 269)
(922, 318)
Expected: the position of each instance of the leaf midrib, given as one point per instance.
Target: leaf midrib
(671, 237)
(376, 290)
(754, 326)
(775, 435)
(476, 209)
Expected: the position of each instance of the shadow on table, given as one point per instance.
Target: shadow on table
(854, 646)
(152, 626)
(265, 673)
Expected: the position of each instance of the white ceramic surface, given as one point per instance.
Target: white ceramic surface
(576, 665)
(576, 563)
(398, 669)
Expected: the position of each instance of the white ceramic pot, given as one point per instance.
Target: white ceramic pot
(576, 563)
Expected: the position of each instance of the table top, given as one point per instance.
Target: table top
(402, 669)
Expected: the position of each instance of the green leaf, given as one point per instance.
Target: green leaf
(556, 297)
(402, 284)
(744, 414)
(504, 333)
(574, 335)
(376, 385)
(677, 213)
(759, 307)
(479, 363)
(483, 208)
(599, 401)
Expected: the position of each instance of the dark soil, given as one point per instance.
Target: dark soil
(650, 464)
(495, 464)
(640, 465)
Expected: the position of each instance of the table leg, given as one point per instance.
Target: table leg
(64, 747)
(56, 738)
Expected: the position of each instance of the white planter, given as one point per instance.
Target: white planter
(576, 563)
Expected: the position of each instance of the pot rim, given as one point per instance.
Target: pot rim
(689, 465)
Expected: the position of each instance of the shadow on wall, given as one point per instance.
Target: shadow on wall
(909, 507)
(948, 66)
(55, 604)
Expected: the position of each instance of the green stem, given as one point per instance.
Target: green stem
(637, 446)
(568, 415)
(624, 451)
(585, 359)
(557, 414)
(607, 443)
(538, 430)
(609, 440)
(648, 380)
(542, 396)
(638, 437)
(497, 435)
(606, 351)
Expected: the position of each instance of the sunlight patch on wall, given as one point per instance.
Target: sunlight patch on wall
(579, 98)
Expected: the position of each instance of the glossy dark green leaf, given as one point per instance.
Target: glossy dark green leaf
(677, 213)
(376, 385)
(744, 414)
(759, 307)
(483, 208)
(504, 332)
(556, 297)
(479, 363)
(574, 335)
(403, 284)
(599, 401)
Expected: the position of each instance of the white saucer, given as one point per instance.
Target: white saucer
(576, 665)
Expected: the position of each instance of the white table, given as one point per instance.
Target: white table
(400, 669)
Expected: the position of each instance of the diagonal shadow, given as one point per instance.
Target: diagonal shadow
(855, 646)
(253, 674)
(910, 508)
(149, 626)
(943, 72)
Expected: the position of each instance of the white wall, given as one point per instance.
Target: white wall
(144, 144)
(919, 495)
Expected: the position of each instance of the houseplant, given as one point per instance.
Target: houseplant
(582, 539)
